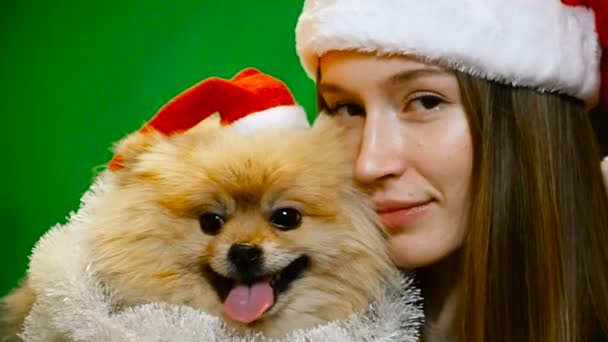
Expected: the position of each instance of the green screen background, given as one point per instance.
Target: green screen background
(78, 75)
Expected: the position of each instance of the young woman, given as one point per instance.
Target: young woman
(474, 139)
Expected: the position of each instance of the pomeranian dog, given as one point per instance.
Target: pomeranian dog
(269, 232)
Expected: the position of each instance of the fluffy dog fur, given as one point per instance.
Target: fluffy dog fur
(147, 245)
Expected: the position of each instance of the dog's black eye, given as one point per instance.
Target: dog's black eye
(285, 218)
(211, 223)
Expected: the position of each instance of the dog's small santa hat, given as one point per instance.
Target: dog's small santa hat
(247, 102)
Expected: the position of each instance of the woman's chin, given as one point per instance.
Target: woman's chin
(415, 251)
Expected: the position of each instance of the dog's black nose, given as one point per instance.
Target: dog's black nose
(246, 258)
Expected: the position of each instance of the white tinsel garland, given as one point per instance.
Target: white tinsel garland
(72, 306)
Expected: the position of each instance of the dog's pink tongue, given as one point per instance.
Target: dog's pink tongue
(246, 304)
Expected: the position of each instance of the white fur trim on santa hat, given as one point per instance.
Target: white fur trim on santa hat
(288, 117)
(536, 43)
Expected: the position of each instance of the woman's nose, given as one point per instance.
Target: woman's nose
(381, 153)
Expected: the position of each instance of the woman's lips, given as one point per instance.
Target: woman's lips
(395, 219)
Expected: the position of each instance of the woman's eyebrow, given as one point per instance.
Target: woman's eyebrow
(402, 77)
(330, 88)
(410, 75)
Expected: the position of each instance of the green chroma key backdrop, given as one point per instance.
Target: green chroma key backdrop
(79, 75)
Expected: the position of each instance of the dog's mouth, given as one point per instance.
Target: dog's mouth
(246, 301)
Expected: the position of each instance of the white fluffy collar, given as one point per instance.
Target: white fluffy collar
(72, 306)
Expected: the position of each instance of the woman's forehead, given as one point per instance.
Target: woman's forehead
(353, 67)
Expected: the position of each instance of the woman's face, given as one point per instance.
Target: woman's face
(414, 147)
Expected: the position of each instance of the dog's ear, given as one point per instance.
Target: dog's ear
(127, 150)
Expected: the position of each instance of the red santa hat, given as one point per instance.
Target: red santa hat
(248, 102)
(549, 45)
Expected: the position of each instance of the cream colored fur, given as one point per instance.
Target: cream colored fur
(140, 242)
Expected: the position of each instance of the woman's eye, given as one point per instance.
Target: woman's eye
(348, 109)
(424, 103)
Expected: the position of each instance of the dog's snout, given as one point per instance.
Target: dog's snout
(245, 257)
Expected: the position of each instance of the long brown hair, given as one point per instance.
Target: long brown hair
(535, 257)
